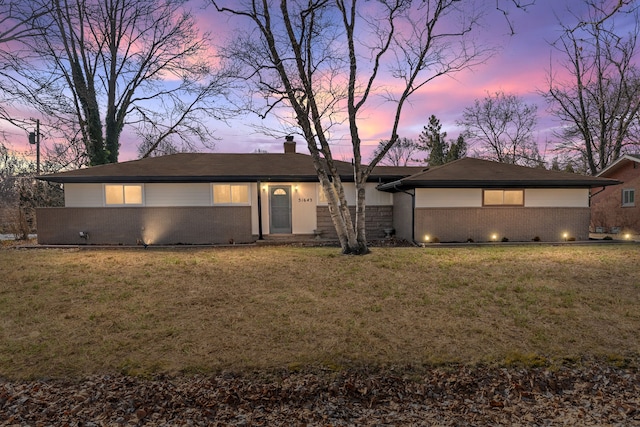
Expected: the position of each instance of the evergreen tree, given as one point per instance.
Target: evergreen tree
(433, 141)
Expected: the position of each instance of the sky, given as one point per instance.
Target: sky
(520, 67)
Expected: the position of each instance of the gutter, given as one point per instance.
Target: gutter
(597, 192)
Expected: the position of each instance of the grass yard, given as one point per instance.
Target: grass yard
(71, 313)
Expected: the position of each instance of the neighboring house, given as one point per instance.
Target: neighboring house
(615, 209)
(479, 200)
(240, 198)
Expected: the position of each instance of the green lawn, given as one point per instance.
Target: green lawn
(70, 313)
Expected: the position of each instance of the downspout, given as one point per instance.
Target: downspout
(260, 237)
(598, 192)
(413, 212)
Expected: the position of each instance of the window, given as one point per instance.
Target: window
(628, 197)
(503, 197)
(123, 194)
(230, 194)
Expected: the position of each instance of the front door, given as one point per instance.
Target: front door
(280, 209)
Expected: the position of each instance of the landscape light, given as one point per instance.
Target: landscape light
(565, 236)
(494, 237)
(427, 238)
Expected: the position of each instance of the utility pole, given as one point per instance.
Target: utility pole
(34, 138)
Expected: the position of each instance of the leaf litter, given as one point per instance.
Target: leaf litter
(587, 394)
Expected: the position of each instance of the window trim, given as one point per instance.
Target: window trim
(503, 204)
(238, 184)
(125, 204)
(628, 191)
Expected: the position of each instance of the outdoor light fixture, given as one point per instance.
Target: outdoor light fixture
(627, 236)
(83, 235)
(565, 236)
(494, 237)
(427, 238)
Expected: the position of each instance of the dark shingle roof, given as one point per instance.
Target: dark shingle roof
(477, 173)
(210, 167)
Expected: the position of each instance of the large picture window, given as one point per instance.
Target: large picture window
(230, 194)
(628, 197)
(123, 194)
(503, 197)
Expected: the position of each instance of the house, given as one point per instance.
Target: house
(614, 208)
(205, 198)
(479, 200)
(192, 198)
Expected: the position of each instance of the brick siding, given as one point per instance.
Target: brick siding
(606, 206)
(377, 218)
(516, 224)
(153, 225)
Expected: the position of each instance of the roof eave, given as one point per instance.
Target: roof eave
(401, 185)
(195, 179)
(615, 165)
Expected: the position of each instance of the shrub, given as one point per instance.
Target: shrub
(536, 239)
(504, 239)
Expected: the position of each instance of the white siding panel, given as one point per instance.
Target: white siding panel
(373, 196)
(376, 197)
(559, 198)
(188, 194)
(448, 197)
(303, 207)
(350, 192)
(83, 195)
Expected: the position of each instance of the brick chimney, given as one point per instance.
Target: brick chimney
(289, 145)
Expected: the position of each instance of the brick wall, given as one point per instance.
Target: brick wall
(516, 224)
(161, 225)
(606, 206)
(377, 218)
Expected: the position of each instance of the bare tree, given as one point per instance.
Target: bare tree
(15, 25)
(20, 193)
(100, 65)
(324, 60)
(599, 102)
(502, 125)
(400, 154)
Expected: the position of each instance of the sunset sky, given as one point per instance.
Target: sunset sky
(520, 67)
